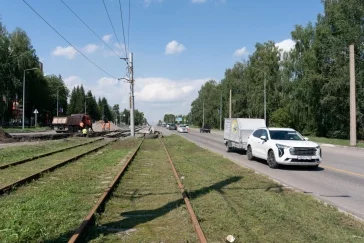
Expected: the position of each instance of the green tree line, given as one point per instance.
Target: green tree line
(307, 88)
(17, 56)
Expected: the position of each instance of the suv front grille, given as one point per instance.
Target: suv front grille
(303, 151)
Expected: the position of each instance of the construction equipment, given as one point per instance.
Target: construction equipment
(72, 123)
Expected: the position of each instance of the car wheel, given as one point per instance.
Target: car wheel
(249, 153)
(272, 160)
(228, 149)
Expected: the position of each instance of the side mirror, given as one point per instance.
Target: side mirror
(263, 138)
(306, 138)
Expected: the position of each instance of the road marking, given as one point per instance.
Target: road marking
(343, 171)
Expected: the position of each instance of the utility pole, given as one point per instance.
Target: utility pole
(203, 113)
(352, 98)
(132, 130)
(230, 105)
(220, 110)
(265, 100)
(57, 101)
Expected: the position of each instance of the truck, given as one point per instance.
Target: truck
(238, 130)
(71, 123)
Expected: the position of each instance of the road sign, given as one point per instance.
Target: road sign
(35, 111)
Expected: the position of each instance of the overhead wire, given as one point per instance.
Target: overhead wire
(117, 38)
(90, 29)
(122, 24)
(129, 28)
(68, 41)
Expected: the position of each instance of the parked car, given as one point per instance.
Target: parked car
(172, 127)
(205, 128)
(182, 128)
(283, 146)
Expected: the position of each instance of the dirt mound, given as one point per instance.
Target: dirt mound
(5, 137)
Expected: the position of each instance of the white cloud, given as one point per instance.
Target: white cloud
(241, 52)
(73, 81)
(106, 38)
(174, 47)
(68, 52)
(286, 45)
(148, 2)
(90, 48)
(198, 1)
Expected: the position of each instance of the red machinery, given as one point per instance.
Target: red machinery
(72, 123)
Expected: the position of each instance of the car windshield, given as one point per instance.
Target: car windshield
(182, 126)
(285, 135)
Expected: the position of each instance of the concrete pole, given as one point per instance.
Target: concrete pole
(23, 100)
(230, 105)
(220, 110)
(352, 98)
(203, 113)
(57, 101)
(132, 130)
(265, 100)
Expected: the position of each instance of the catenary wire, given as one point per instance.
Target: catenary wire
(68, 41)
(117, 38)
(122, 24)
(90, 29)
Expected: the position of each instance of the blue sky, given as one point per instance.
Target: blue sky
(177, 44)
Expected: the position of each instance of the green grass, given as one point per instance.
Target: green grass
(27, 129)
(14, 173)
(335, 141)
(230, 199)
(16, 153)
(148, 200)
(50, 209)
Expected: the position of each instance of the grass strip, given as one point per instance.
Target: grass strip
(229, 199)
(27, 129)
(13, 174)
(12, 154)
(335, 141)
(147, 205)
(47, 154)
(49, 209)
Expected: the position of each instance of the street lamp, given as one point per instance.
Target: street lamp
(86, 97)
(24, 95)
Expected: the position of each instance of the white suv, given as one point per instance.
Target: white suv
(283, 146)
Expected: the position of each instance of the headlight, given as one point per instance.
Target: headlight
(280, 146)
(318, 147)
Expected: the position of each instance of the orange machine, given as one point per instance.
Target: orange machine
(72, 123)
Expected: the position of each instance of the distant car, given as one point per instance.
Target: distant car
(167, 126)
(163, 125)
(283, 146)
(172, 127)
(187, 125)
(205, 129)
(182, 128)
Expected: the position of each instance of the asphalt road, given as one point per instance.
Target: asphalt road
(338, 181)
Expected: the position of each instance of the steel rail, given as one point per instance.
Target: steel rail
(193, 216)
(45, 154)
(76, 237)
(13, 186)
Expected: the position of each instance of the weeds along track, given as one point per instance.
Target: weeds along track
(144, 196)
(13, 177)
(7, 165)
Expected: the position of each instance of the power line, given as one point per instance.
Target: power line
(113, 27)
(90, 29)
(122, 24)
(68, 41)
(129, 27)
